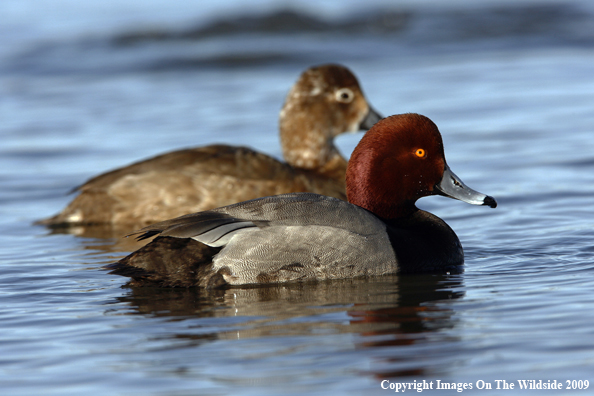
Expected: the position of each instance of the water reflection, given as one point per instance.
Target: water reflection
(388, 314)
(106, 237)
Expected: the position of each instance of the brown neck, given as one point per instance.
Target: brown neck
(334, 168)
(309, 148)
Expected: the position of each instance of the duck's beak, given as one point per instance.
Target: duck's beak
(452, 186)
(370, 119)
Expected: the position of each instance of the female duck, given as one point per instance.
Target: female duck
(303, 236)
(325, 102)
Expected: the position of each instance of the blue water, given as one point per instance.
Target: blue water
(89, 86)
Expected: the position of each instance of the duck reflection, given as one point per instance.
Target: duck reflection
(385, 312)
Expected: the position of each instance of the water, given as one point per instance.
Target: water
(86, 88)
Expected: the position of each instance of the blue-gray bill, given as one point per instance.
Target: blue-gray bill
(453, 187)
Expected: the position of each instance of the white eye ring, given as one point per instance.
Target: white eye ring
(344, 95)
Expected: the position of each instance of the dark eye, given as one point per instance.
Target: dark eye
(344, 95)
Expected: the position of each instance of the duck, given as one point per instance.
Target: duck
(301, 237)
(325, 102)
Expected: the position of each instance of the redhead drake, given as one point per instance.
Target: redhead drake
(305, 236)
(325, 102)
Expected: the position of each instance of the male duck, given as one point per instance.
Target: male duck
(304, 236)
(325, 102)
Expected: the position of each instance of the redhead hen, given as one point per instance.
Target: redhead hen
(325, 102)
(304, 236)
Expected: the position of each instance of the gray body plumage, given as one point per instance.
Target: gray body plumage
(288, 237)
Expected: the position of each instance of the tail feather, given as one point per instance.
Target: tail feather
(170, 262)
(146, 235)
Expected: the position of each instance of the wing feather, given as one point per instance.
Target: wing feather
(216, 227)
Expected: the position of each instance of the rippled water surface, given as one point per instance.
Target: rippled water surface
(84, 89)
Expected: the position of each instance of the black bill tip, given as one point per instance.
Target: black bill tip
(490, 201)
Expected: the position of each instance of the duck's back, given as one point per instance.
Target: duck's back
(185, 181)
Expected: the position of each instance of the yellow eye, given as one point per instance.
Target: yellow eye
(420, 153)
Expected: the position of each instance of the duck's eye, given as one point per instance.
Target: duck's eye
(421, 153)
(344, 95)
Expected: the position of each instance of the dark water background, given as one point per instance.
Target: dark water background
(89, 86)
